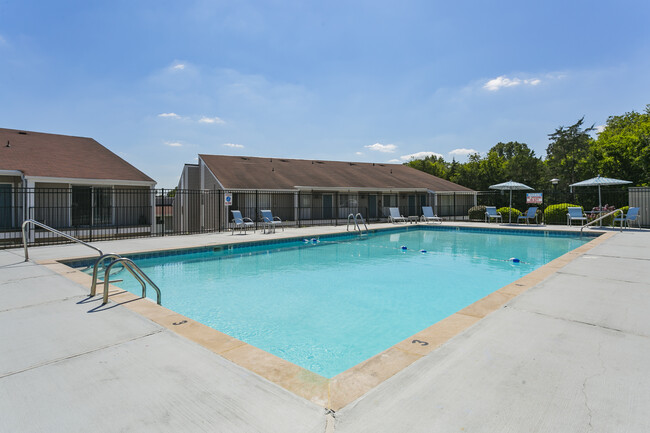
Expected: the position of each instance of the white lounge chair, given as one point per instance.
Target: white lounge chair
(241, 223)
(491, 213)
(270, 221)
(395, 216)
(575, 214)
(632, 215)
(429, 216)
(530, 214)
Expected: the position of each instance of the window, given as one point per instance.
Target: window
(91, 204)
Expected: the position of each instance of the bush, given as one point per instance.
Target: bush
(504, 213)
(556, 213)
(606, 209)
(476, 213)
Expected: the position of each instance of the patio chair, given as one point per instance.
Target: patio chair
(270, 221)
(241, 223)
(428, 215)
(632, 215)
(530, 214)
(575, 214)
(395, 216)
(491, 213)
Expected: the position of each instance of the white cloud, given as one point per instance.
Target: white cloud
(600, 128)
(211, 120)
(170, 115)
(378, 147)
(173, 143)
(234, 146)
(463, 152)
(394, 160)
(3, 41)
(419, 155)
(178, 67)
(502, 81)
(359, 153)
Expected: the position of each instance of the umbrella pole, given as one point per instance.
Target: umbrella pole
(510, 209)
(600, 207)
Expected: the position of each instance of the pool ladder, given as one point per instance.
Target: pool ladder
(127, 263)
(354, 217)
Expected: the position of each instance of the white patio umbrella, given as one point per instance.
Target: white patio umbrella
(510, 186)
(598, 181)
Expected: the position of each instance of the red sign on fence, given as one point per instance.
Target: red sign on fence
(534, 197)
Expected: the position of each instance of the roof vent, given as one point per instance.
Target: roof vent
(8, 145)
(245, 159)
(22, 132)
(283, 160)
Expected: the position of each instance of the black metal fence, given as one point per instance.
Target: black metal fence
(588, 198)
(94, 213)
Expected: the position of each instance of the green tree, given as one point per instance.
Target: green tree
(568, 154)
(434, 165)
(520, 163)
(622, 149)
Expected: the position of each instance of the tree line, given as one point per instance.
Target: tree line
(621, 150)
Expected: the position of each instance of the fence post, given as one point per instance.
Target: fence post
(298, 207)
(455, 210)
(257, 208)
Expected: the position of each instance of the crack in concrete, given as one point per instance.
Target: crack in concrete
(52, 301)
(580, 322)
(330, 420)
(76, 355)
(584, 386)
(600, 278)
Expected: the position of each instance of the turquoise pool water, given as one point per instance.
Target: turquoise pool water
(329, 305)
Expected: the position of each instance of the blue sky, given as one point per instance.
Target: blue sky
(159, 82)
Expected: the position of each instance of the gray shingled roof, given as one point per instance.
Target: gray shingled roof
(63, 156)
(237, 172)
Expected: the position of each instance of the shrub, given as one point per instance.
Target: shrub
(476, 213)
(605, 209)
(504, 213)
(556, 213)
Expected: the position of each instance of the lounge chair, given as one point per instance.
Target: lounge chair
(575, 214)
(428, 215)
(530, 214)
(241, 223)
(491, 213)
(632, 215)
(270, 221)
(395, 216)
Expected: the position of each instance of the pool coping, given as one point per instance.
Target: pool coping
(350, 385)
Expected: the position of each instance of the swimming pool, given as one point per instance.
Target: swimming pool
(328, 305)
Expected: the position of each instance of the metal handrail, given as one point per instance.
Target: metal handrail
(600, 218)
(93, 286)
(362, 220)
(55, 231)
(356, 224)
(136, 272)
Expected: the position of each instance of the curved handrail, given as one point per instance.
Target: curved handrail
(135, 271)
(93, 286)
(600, 219)
(362, 220)
(347, 227)
(53, 230)
(356, 224)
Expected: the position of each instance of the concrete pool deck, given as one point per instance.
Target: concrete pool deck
(569, 354)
